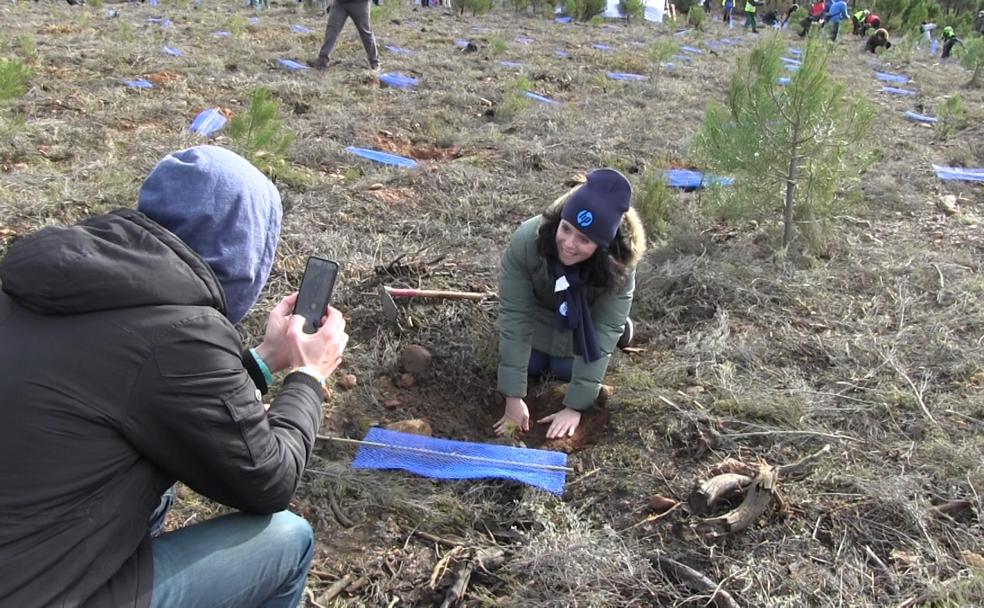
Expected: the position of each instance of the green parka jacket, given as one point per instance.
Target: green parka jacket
(527, 319)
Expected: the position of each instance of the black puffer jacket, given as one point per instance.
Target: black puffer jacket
(120, 375)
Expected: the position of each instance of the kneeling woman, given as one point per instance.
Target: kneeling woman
(565, 292)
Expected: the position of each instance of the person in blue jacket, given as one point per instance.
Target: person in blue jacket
(835, 14)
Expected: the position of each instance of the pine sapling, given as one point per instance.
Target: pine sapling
(793, 144)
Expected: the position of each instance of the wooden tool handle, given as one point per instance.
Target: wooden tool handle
(437, 293)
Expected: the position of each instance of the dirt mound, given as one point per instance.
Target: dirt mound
(551, 401)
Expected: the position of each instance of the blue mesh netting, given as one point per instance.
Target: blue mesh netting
(382, 157)
(959, 174)
(447, 459)
(692, 180)
(917, 117)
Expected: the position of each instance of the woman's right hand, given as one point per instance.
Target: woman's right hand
(517, 414)
(321, 350)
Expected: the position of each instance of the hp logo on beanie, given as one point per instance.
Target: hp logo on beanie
(584, 218)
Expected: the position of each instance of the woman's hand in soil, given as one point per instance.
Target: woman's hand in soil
(321, 350)
(273, 349)
(517, 416)
(563, 423)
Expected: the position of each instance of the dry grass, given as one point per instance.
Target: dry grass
(874, 346)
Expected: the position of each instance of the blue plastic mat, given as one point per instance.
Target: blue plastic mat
(139, 83)
(292, 65)
(792, 67)
(692, 180)
(669, 66)
(447, 459)
(172, 51)
(399, 50)
(511, 64)
(541, 98)
(797, 52)
(888, 77)
(300, 29)
(522, 40)
(383, 157)
(790, 61)
(916, 117)
(627, 76)
(161, 21)
(461, 43)
(959, 174)
(208, 122)
(896, 91)
(561, 54)
(783, 81)
(254, 20)
(690, 49)
(601, 47)
(563, 19)
(397, 80)
(727, 41)
(679, 57)
(222, 34)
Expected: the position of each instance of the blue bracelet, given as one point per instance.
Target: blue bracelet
(267, 374)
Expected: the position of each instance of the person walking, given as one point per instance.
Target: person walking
(950, 40)
(838, 12)
(729, 7)
(359, 12)
(751, 6)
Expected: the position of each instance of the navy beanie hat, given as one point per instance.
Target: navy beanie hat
(224, 209)
(597, 206)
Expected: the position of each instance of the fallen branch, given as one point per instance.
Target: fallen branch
(757, 501)
(336, 510)
(484, 558)
(703, 498)
(881, 565)
(435, 539)
(950, 508)
(801, 467)
(336, 588)
(695, 581)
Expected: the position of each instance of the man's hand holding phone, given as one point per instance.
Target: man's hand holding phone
(321, 350)
(303, 330)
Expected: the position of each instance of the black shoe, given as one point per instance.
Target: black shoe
(320, 63)
(627, 334)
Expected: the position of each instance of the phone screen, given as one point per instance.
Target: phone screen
(315, 292)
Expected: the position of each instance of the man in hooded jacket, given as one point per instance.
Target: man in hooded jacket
(123, 373)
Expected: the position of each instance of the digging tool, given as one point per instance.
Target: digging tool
(387, 297)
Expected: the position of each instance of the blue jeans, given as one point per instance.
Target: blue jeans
(542, 364)
(235, 561)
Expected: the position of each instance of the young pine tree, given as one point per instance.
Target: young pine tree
(972, 58)
(14, 76)
(790, 148)
(259, 135)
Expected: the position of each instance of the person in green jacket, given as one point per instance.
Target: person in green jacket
(949, 41)
(566, 286)
(751, 6)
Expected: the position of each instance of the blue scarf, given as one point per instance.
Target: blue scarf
(573, 312)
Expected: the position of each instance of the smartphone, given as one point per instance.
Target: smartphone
(315, 292)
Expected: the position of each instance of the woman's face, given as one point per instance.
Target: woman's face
(572, 246)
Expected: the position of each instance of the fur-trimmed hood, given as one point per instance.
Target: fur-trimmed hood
(630, 232)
